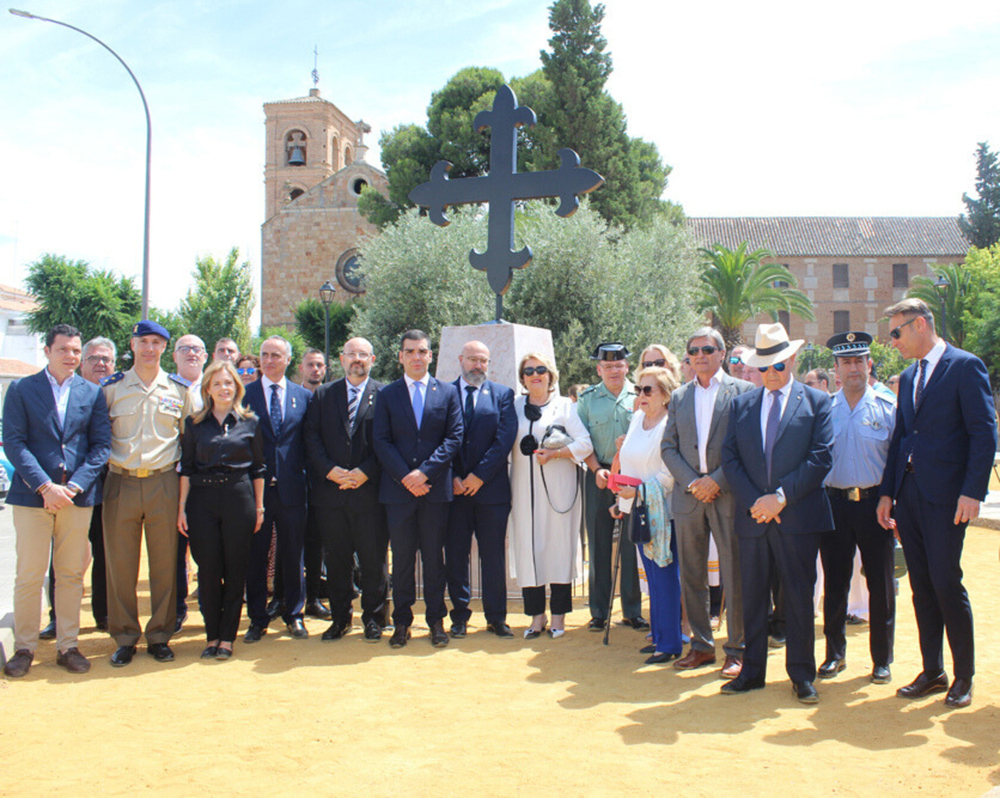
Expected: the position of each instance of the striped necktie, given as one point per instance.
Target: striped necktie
(352, 404)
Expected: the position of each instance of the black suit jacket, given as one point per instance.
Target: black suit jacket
(331, 441)
(487, 442)
(285, 454)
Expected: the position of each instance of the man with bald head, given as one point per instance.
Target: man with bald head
(481, 483)
(345, 477)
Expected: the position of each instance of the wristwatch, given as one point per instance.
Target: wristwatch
(780, 493)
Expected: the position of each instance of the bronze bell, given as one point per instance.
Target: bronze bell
(297, 157)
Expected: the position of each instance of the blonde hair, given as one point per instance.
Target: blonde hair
(546, 361)
(673, 364)
(209, 405)
(666, 379)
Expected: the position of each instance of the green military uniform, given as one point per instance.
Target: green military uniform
(607, 417)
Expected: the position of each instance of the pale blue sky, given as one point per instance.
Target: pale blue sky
(772, 108)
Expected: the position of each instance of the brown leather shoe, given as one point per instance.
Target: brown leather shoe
(73, 661)
(17, 666)
(695, 659)
(732, 667)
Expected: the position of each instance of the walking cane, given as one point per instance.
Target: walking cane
(614, 578)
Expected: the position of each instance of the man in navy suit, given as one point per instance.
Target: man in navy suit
(417, 433)
(281, 406)
(481, 482)
(938, 472)
(58, 436)
(344, 493)
(777, 452)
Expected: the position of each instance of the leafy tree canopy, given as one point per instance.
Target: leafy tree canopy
(310, 319)
(220, 302)
(957, 299)
(982, 223)
(982, 312)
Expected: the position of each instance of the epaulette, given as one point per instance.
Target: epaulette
(884, 398)
(588, 389)
(111, 379)
(179, 380)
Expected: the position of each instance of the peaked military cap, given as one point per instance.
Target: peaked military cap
(850, 344)
(610, 351)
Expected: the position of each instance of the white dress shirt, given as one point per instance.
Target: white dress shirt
(60, 393)
(765, 406)
(704, 407)
(282, 394)
(932, 359)
(463, 393)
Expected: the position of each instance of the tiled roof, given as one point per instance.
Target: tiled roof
(308, 99)
(858, 236)
(12, 367)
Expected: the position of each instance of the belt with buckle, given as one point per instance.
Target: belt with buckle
(854, 494)
(140, 473)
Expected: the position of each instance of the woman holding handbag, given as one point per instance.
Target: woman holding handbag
(543, 533)
(650, 525)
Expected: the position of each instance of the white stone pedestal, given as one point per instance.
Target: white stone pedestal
(507, 343)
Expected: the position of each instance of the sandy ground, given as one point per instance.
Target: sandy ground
(494, 717)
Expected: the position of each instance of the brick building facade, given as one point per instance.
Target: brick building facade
(851, 268)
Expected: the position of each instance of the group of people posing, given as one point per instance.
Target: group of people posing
(242, 468)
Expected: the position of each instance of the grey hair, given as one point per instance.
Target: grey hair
(288, 345)
(911, 307)
(100, 341)
(707, 332)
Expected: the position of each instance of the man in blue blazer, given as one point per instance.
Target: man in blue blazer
(417, 433)
(777, 452)
(57, 433)
(481, 482)
(938, 472)
(281, 406)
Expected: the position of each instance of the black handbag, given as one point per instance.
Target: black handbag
(640, 531)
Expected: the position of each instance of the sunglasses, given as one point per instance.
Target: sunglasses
(894, 332)
(705, 350)
(735, 360)
(779, 367)
(658, 363)
(249, 371)
(530, 371)
(644, 390)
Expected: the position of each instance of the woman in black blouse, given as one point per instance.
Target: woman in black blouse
(222, 451)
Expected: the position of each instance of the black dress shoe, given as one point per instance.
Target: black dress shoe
(373, 632)
(881, 674)
(18, 665)
(831, 668)
(636, 622)
(209, 652)
(399, 636)
(317, 609)
(224, 653)
(596, 624)
(49, 632)
(122, 656)
(959, 694)
(160, 652)
(458, 630)
(254, 633)
(275, 607)
(659, 659)
(101, 624)
(805, 692)
(180, 621)
(650, 649)
(336, 631)
(924, 685)
(298, 630)
(499, 629)
(439, 638)
(742, 684)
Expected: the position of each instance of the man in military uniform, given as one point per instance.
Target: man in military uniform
(141, 491)
(863, 421)
(606, 411)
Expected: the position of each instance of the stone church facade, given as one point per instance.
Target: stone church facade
(313, 175)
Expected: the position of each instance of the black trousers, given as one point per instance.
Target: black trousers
(560, 600)
(345, 531)
(933, 544)
(856, 525)
(489, 524)
(417, 525)
(600, 543)
(290, 521)
(313, 556)
(221, 519)
(98, 571)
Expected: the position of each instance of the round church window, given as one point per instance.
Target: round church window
(349, 272)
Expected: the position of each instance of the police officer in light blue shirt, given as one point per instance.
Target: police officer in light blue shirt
(862, 426)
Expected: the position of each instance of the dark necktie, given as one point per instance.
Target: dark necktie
(352, 405)
(771, 434)
(275, 410)
(470, 391)
(920, 385)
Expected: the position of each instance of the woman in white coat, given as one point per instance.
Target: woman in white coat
(543, 533)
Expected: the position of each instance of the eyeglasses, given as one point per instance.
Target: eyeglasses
(644, 390)
(195, 350)
(356, 355)
(779, 367)
(93, 360)
(894, 332)
(705, 350)
(735, 360)
(658, 363)
(532, 370)
(249, 371)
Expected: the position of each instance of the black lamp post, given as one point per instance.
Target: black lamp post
(149, 133)
(326, 294)
(941, 284)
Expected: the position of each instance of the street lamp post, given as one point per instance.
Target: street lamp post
(326, 294)
(941, 284)
(149, 134)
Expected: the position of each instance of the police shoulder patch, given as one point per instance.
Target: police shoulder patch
(111, 379)
(179, 380)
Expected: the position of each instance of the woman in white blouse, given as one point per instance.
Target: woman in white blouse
(640, 457)
(543, 533)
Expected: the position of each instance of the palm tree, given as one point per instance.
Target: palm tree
(956, 298)
(736, 286)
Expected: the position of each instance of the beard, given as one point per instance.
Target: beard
(475, 378)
